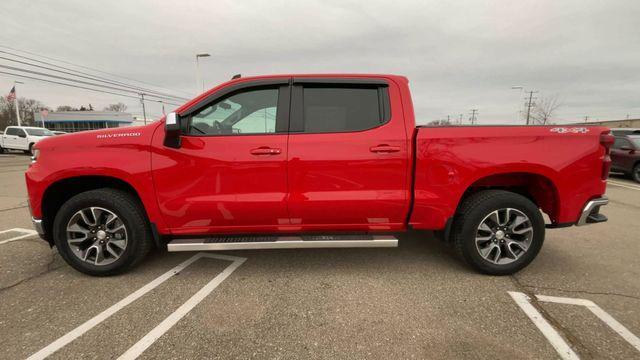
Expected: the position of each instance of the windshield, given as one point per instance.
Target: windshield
(39, 132)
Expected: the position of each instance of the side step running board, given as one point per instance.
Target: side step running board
(282, 242)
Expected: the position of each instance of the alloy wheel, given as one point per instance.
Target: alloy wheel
(504, 236)
(97, 236)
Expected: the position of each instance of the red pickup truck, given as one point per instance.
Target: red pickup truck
(312, 161)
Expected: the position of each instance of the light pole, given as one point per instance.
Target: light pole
(161, 102)
(521, 88)
(144, 110)
(15, 100)
(198, 56)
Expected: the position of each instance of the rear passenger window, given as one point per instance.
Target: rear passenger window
(342, 109)
(11, 131)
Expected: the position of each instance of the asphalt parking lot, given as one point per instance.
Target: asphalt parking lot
(414, 301)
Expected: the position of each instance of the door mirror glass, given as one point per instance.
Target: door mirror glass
(172, 130)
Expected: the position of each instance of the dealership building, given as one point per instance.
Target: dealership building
(73, 121)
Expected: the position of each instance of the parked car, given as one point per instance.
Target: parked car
(312, 161)
(22, 138)
(625, 131)
(625, 156)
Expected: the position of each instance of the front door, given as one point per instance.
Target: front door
(10, 138)
(348, 156)
(230, 173)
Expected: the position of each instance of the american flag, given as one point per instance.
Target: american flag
(12, 94)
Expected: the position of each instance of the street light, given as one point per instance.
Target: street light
(198, 69)
(162, 102)
(521, 88)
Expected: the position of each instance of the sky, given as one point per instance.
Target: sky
(458, 55)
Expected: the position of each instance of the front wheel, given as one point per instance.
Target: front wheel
(102, 232)
(29, 151)
(498, 232)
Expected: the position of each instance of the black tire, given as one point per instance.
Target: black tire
(30, 151)
(127, 208)
(635, 173)
(477, 207)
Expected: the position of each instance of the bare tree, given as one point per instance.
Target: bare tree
(66, 108)
(121, 107)
(26, 108)
(544, 109)
(439, 123)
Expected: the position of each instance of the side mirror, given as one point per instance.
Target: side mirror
(22, 135)
(172, 130)
(627, 148)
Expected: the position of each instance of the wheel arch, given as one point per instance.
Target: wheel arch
(64, 189)
(538, 188)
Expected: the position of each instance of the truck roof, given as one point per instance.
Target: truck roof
(235, 80)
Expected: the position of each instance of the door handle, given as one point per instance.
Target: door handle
(384, 148)
(265, 151)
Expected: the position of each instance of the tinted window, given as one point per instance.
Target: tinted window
(340, 109)
(620, 142)
(11, 131)
(247, 112)
(39, 132)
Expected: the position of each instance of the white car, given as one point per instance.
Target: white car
(22, 137)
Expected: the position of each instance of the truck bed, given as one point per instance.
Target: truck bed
(547, 163)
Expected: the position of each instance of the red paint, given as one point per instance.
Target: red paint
(356, 181)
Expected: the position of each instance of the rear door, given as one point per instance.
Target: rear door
(622, 159)
(348, 155)
(229, 174)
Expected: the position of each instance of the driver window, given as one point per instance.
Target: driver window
(248, 112)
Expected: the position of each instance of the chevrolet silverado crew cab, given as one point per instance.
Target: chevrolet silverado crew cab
(312, 161)
(22, 138)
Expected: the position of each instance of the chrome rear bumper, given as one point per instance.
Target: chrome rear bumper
(591, 212)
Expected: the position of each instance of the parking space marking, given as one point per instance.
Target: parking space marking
(89, 324)
(29, 233)
(628, 186)
(601, 314)
(561, 346)
(172, 319)
(554, 338)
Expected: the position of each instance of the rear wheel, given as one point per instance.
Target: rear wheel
(102, 232)
(635, 174)
(498, 232)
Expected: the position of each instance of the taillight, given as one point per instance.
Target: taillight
(606, 140)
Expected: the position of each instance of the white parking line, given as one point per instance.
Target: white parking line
(28, 233)
(172, 319)
(628, 186)
(89, 324)
(601, 314)
(554, 338)
(561, 346)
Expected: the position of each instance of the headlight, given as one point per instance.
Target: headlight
(34, 157)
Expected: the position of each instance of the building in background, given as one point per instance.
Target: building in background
(73, 121)
(627, 123)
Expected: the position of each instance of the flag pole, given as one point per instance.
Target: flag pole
(15, 101)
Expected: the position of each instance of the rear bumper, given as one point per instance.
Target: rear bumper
(591, 212)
